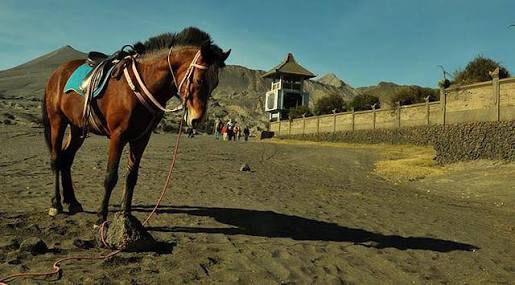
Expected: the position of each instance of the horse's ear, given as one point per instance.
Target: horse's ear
(225, 55)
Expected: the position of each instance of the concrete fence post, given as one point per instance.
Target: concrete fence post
(374, 116)
(353, 119)
(398, 107)
(427, 110)
(289, 125)
(443, 104)
(303, 123)
(496, 92)
(334, 121)
(318, 125)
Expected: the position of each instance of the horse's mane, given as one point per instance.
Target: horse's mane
(191, 36)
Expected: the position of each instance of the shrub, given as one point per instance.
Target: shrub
(167, 127)
(327, 104)
(413, 95)
(364, 102)
(220, 113)
(478, 71)
(298, 111)
(444, 83)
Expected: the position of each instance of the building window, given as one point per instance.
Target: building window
(270, 101)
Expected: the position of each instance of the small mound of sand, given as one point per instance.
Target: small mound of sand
(127, 233)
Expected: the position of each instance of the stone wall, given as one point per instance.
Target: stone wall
(468, 141)
(480, 102)
(481, 140)
(469, 122)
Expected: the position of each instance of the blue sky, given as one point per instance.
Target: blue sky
(363, 42)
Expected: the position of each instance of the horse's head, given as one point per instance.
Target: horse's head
(200, 78)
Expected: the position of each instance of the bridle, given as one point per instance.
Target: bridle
(186, 78)
(150, 102)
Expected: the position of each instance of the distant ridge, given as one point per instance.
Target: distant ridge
(28, 79)
(240, 94)
(331, 79)
(52, 59)
(384, 91)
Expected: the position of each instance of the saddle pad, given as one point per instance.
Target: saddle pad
(73, 83)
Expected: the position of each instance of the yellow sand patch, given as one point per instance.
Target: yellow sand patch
(409, 165)
(396, 163)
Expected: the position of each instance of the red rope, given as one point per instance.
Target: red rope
(101, 230)
(56, 268)
(169, 177)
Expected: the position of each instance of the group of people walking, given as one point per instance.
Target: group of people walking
(230, 131)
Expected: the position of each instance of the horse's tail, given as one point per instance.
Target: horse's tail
(46, 121)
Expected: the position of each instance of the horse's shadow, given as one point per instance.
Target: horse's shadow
(275, 225)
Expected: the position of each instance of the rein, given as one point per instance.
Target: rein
(56, 268)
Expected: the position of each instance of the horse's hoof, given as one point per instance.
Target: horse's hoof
(52, 212)
(75, 208)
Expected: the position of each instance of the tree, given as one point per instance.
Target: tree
(298, 111)
(413, 95)
(327, 104)
(364, 102)
(478, 71)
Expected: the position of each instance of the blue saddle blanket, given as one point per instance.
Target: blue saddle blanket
(75, 80)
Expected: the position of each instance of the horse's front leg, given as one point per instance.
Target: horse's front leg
(135, 153)
(116, 145)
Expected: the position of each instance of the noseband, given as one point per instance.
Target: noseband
(150, 102)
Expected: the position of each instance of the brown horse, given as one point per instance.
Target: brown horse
(163, 61)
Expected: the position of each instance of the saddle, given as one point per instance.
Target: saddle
(95, 58)
(102, 67)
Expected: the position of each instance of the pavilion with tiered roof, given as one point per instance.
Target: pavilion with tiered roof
(287, 88)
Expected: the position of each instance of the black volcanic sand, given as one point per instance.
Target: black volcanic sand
(303, 214)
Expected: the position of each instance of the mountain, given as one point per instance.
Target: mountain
(52, 59)
(318, 89)
(28, 80)
(331, 79)
(384, 91)
(240, 94)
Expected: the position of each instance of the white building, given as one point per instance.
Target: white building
(287, 89)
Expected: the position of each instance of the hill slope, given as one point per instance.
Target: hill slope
(239, 96)
(28, 80)
(384, 91)
(331, 79)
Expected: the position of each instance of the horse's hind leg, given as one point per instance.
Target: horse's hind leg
(56, 138)
(73, 144)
